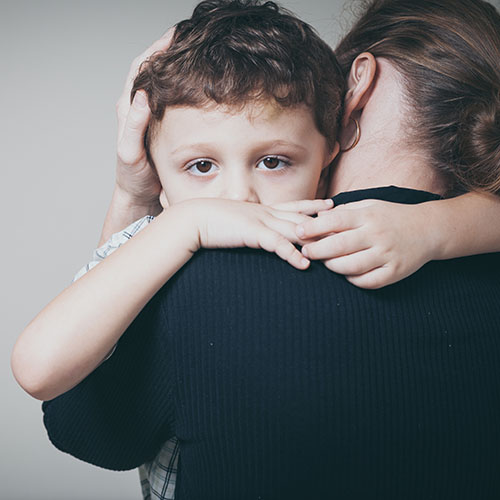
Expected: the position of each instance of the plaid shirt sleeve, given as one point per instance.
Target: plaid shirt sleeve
(158, 476)
(116, 241)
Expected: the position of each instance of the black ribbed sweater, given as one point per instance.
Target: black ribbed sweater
(285, 384)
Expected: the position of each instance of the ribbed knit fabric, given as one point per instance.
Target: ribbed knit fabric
(286, 384)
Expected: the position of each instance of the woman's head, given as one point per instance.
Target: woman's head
(447, 53)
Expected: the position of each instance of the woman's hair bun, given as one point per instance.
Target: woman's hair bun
(480, 144)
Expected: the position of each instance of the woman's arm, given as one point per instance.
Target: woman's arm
(137, 186)
(376, 243)
(71, 336)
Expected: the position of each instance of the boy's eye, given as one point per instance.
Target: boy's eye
(202, 167)
(272, 163)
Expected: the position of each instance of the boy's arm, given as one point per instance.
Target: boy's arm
(73, 334)
(113, 243)
(376, 243)
(120, 415)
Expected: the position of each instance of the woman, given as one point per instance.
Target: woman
(371, 79)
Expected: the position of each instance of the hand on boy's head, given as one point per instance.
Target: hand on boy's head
(123, 104)
(134, 176)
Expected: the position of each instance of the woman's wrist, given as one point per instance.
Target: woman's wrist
(125, 209)
(137, 205)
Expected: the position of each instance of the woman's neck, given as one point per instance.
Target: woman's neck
(384, 155)
(383, 165)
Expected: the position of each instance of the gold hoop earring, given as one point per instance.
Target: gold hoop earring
(356, 139)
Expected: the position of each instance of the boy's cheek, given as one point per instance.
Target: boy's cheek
(163, 199)
(323, 184)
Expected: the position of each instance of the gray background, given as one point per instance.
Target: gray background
(63, 67)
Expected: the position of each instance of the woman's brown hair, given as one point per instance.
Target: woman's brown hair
(233, 52)
(448, 53)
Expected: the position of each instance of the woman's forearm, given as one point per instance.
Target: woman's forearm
(123, 211)
(71, 336)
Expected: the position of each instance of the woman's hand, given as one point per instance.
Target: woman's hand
(231, 224)
(137, 187)
(374, 243)
(134, 176)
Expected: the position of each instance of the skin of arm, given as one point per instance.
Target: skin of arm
(72, 335)
(137, 186)
(376, 243)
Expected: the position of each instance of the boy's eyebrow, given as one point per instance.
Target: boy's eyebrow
(263, 145)
(196, 145)
(281, 143)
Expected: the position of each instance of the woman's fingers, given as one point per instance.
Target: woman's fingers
(123, 104)
(307, 207)
(131, 142)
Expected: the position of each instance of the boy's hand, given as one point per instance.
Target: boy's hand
(374, 243)
(306, 207)
(233, 224)
(136, 182)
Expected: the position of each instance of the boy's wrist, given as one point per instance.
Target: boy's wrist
(184, 219)
(434, 230)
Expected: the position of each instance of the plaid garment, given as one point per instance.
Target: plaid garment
(158, 476)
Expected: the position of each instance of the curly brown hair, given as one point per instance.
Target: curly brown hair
(235, 52)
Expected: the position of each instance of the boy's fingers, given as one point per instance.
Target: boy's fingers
(335, 245)
(307, 207)
(332, 221)
(376, 278)
(131, 142)
(294, 217)
(355, 264)
(284, 227)
(276, 243)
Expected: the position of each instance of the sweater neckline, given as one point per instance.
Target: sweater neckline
(393, 194)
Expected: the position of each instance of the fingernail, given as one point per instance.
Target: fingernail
(329, 201)
(140, 99)
(305, 252)
(304, 262)
(300, 231)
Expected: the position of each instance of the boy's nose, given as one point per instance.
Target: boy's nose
(241, 188)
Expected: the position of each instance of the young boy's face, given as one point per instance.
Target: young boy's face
(263, 153)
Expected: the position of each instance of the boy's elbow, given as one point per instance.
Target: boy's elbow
(32, 374)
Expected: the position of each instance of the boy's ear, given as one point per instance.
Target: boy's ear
(163, 199)
(324, 180)
(359, 84)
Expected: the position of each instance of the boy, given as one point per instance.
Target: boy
(246, 105)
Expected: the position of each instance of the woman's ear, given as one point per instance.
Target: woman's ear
(359, 84)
